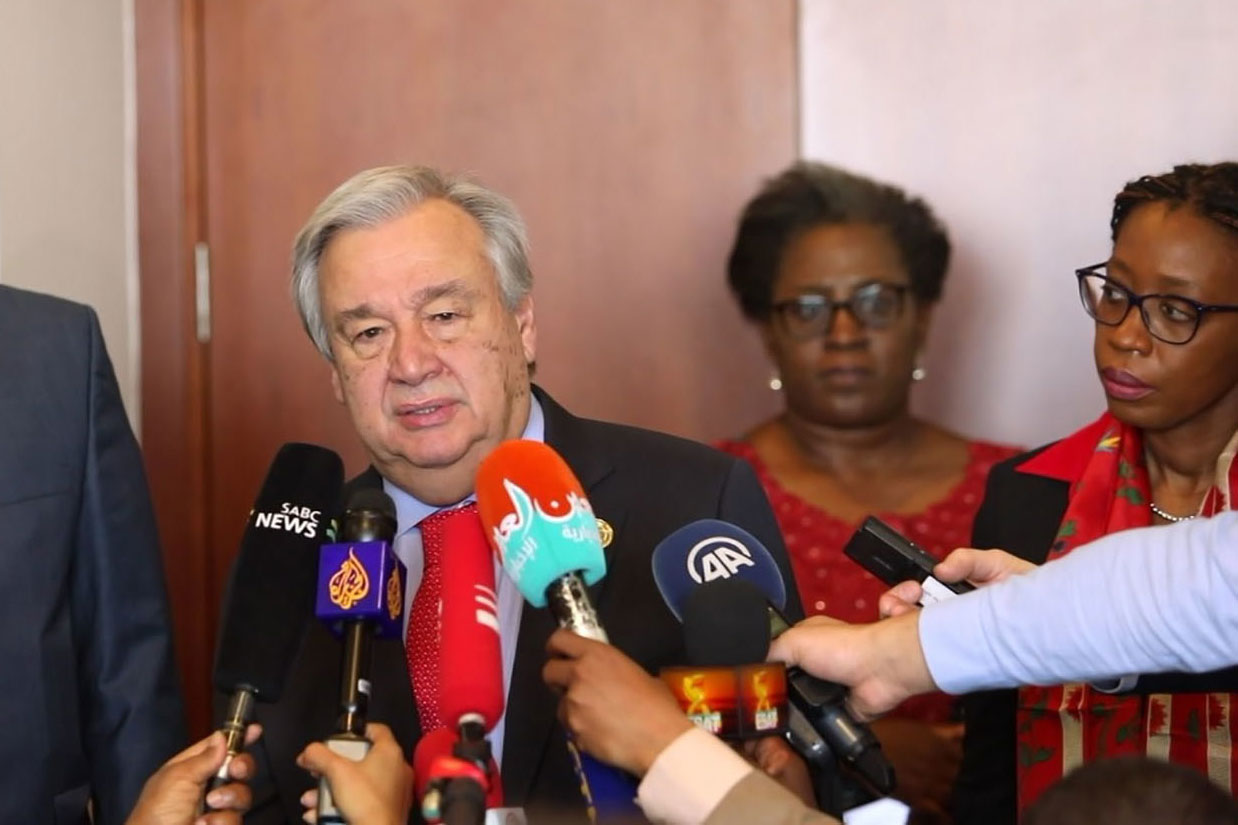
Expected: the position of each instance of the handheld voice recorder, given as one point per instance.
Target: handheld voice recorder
(888, 555)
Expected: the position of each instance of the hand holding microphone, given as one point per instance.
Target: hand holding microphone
(617, 711)
(173, 794)
(377, 790)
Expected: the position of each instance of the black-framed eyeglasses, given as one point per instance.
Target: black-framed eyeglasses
(875, 305)
(1173, 319)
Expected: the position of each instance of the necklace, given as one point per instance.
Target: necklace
(1168, 517)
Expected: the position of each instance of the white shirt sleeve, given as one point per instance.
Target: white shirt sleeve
(1140, 601)
(689, 778)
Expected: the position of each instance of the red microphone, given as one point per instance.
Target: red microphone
(470, 677)
(471, 667)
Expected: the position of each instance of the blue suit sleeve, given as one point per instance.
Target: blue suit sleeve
(132, 715)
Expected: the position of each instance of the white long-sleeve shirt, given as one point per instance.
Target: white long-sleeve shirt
(1139, 601)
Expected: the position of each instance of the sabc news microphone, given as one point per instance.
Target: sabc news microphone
(360, 595)
(269, 600)
(728, 688)
(709, 550)
(541, 525)
(470, 679)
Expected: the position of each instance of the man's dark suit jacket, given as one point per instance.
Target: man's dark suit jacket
(646, 485)
(91, 701)
(1021, 513)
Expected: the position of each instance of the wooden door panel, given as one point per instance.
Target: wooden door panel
(629, 134)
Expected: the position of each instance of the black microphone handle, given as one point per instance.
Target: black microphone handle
(240, 713)
(349, 737)
(355, 678)
(463, 802)
(822, 704)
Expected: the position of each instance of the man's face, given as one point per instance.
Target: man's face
(431, 365)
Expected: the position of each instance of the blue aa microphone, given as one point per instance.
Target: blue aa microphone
(710, 550)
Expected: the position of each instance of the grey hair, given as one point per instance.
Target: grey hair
(375, 196)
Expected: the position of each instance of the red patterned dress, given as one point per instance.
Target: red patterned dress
(833, 584)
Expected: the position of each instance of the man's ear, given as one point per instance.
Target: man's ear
(526, 327)
(337, 389)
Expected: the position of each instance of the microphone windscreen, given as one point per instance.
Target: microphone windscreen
(537, 518)
(471, 667)
(372, 498)
(726, 624)
(369, 515)
(270, 596)
(711, 550)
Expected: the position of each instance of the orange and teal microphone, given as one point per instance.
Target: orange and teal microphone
(540, 523)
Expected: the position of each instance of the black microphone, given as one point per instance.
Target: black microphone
(360, 595)
(270, 594)
(729, 688)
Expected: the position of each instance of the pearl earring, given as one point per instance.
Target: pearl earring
(775, 382)
(919, 373)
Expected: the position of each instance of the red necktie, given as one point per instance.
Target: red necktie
(424, 620)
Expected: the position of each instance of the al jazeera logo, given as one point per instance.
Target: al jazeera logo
(351, 583)
(395, 599)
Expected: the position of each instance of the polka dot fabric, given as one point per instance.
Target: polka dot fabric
(834, 585)
(425, 618)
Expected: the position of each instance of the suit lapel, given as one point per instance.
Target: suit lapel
(531, 706)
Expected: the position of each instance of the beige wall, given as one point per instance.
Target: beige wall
(1018, 121)
(66, 166)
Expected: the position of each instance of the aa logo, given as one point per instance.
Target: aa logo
(717, 557)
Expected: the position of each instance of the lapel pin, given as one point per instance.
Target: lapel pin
(606, 532)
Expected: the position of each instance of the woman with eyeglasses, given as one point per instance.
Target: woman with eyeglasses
(1165, 305)
(840, 275)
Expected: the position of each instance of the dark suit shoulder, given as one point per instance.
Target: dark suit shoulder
(623, 438)
(1021, 511)
(22, 308)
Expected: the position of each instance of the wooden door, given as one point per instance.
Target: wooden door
(628, 133)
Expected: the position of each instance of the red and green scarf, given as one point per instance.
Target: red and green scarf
(1062, 727)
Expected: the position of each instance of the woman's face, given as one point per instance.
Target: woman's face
(854, 374)
(1151, 384)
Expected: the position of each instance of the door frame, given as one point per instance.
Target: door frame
(174, 429)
